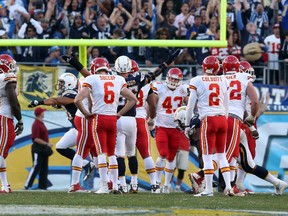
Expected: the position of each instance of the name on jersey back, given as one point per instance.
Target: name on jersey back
(211, 79)
(107, 77)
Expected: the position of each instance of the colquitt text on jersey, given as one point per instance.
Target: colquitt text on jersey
(211, 79)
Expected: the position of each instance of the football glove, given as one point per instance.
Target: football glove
(33, 103)
(189, 132)
(151, 124)
(249, 121)
(172, 56)
(254, 132)
(19, 128)
(73, 61)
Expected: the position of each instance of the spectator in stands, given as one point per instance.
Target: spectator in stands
(4, 49)
(285, 17)
(117, 18)
(17, 12)
(234, 44)
(167, 21)
(31, 53)
(213, 25)
(54, 57)
(115, 51)
(185, 17)
(273, 44)
(260, 18)
(193, 30)
(105, 6)
(157, 55)
(92, 53)
(168, 7)
(213, 8)
(201, 53)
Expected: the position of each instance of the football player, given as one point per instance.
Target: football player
(9, 108)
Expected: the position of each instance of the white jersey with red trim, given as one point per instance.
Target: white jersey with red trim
(105, 92)
(238, 83)
(273, 43)
(212, 94)
(85, 101)
(5, 108)
(168, 102)
(142, 101)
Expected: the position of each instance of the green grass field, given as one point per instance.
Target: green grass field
(48, 203)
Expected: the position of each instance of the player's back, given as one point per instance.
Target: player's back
(85, 101)
(141, 104)
(212, 92)
(237, 93)
(5, 108)
(105, 92)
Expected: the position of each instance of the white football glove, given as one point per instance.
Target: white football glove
(151, 124)
(254, 132)
(188, 132)
(250, 120)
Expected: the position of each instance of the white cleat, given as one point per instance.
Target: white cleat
(103, 190)
(279, 189)
(165, 189)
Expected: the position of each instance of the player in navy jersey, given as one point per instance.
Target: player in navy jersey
(67, 86)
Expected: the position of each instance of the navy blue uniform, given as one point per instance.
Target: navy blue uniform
(70, 108)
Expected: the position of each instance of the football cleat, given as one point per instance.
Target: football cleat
(115, 192)
(76, 188)
(103, 190)
(204, 193)
(279, 189)
(133, 188)
(9, 188)
(198, 182)
(155, 188)
(89, 169)
(165, 189)
(236, 191)
(123, 189)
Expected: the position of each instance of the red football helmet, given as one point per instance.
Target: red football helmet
(99, 64)
(174, 78)
(245, 67)
(231, 64)
(211, 65)
(7, 64)
(135, 67)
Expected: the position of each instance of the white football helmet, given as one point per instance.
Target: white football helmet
(66, 81)
(180, 117)
(123, 64)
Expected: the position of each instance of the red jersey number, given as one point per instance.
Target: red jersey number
(235, 93)
(109, 94)
(167, 104)
(214, 95)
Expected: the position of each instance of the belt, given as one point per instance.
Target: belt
(235, 116)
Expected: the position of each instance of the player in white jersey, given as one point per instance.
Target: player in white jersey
(9, 108)
(145, 96)
(211, 91)
(248, 146)
(240, 86)
(105, 91)
(170, 96)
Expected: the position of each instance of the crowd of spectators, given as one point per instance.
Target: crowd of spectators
(247, 21)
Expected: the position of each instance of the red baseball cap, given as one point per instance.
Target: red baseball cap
(38, 111)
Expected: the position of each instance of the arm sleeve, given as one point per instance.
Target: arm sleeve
(37, 26)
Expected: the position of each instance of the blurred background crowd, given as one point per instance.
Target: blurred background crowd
(257, 30)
